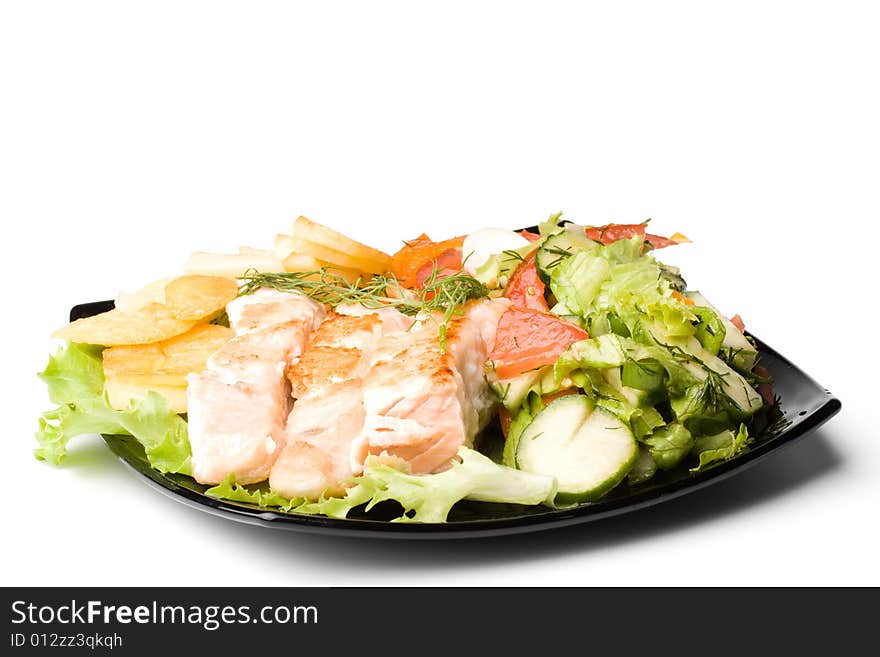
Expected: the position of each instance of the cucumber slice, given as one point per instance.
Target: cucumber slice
(742, 352)
(586, 449)
(558, 247)
(512, 392)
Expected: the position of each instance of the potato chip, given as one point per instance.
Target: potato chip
(199, 297)
(152, 323)
(168, 362)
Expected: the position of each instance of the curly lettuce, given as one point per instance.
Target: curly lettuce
(424, 498)
(711, 450)
(75, 379)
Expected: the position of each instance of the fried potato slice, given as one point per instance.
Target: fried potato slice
(199, 297)
(152, 323)
(233, 265)
(283, 246)
(131, 302)
(339, 258)
(314, 238)
(299, 262)
(168, 362)
(120, 393)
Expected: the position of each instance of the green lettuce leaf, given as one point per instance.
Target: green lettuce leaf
(612, 350)
(429, 498)
(707, 408)
(229, 490)
(643, 469)
(720, 447)
(619, 281)
(551, 225)
(577, 280)
(670, 445)
(75, 379)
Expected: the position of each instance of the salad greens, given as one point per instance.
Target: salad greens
(75, 379)
(663, 380)
(659, 359)
(424, 498)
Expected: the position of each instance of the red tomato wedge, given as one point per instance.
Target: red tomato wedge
(415, 254)
(613, 232)
(527, 339)
(525, 288)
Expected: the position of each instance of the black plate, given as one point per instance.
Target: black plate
(804, 405)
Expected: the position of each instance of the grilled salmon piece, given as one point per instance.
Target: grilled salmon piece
(328, 414)
(421, 403)
(320, 430)
(234, 427)
(341, 350)
(239, 405)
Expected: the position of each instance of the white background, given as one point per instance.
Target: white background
(134, 133)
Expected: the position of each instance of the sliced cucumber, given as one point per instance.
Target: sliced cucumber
(513, 391)
(633, 396)
(558, 247)
(586, 449)
(741, 352)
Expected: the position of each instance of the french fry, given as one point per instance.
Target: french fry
(199, 297)
(168, 362)
(323, 238)
(152, 323)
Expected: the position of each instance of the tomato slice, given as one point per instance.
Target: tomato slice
(613, 232)
(526, 289)
(417, 253)
(527, 339)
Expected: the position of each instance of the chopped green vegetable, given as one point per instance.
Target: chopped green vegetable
(720, 447)
(670, 445)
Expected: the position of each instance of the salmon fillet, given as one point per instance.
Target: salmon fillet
(328, 414)
(421, 404)
(239, 405)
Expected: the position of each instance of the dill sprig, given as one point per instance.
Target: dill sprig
(439, 295)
